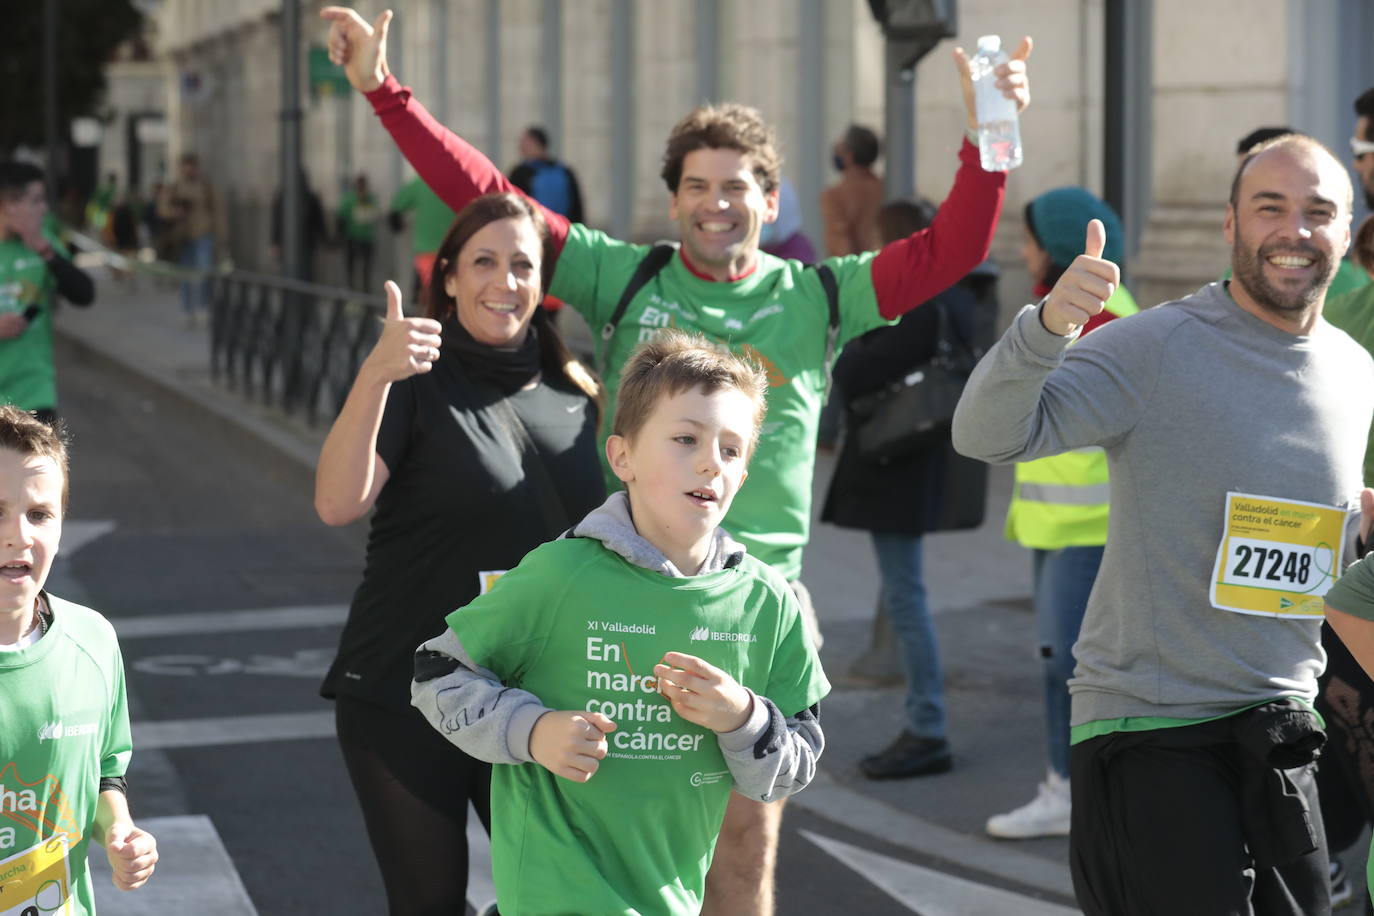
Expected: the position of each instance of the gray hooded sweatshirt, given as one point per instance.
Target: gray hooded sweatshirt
(1190, 400)
(769, 757)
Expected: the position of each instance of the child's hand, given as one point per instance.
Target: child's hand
(570, 743)
(703, 694)
(132, 853)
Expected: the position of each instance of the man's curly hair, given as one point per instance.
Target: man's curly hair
(725, 126)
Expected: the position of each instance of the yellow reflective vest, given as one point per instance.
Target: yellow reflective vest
(1061, 501)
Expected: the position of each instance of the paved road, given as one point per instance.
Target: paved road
(200, 542)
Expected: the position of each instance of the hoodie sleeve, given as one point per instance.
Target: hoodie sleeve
(1033, 395)
(771, 756)
(470, 706)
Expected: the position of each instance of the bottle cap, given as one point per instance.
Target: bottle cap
(990, 44)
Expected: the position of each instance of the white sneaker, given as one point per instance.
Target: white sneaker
(1045, 815)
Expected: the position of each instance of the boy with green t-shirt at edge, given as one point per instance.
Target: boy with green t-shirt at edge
(620, 748)
(64, 731)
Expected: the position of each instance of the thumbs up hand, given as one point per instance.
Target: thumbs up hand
(1084, 288)
(408, 346)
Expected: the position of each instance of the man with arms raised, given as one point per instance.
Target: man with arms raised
(721, 169)
(1233, 422)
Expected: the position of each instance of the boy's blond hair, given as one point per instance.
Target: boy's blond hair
(674, 361)
(24, 433)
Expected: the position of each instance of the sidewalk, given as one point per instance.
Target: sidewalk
(979, 586)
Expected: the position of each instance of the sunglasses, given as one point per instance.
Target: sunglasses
(1359, 147)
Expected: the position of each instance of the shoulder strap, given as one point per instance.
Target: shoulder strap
(657, 258)
(832, 331)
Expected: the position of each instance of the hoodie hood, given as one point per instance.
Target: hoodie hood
(611, 524)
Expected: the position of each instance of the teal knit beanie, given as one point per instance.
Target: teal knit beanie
(1059, 221)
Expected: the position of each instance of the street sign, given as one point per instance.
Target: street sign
(326, 78)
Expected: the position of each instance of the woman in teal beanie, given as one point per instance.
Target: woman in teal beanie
(1055, 222)
(1058, 513)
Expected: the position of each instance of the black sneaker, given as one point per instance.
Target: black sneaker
(909, 756)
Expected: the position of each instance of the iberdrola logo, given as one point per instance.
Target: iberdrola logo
(700, 634)
(50, 731)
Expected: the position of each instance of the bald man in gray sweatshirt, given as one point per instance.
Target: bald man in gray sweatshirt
(1233, 422)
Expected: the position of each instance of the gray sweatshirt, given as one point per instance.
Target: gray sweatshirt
(1190, 400)
(769, 757)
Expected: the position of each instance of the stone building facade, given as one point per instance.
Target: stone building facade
(610, 77)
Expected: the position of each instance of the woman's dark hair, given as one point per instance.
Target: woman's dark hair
(439, 305)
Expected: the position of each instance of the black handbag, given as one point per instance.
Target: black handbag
(914, 412)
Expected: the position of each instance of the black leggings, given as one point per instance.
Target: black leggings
(414, 789)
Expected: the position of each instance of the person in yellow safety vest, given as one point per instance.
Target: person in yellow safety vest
(1059, 510)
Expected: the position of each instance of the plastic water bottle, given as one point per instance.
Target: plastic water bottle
(999, 132)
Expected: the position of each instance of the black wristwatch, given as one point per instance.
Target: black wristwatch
(32, 312)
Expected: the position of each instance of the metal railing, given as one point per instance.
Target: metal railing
(292, 345)
(295, 346)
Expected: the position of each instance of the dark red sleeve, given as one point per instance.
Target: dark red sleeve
(919, 267)
(1097, 321)
(453, 168)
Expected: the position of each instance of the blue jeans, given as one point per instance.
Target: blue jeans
(200, 254)
(904, 595)
(1063, 580)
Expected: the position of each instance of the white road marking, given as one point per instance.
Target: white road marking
(287, 726)
(934, 893)
(311, 664)
(277, 618)
(868, 815)
(196, 831)
(195, 874)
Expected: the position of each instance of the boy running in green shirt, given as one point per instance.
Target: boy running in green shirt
(553, 671)
(64, 732)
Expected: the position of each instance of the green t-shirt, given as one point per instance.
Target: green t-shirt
(777, 314)
(64, 726)
(432, 216)
(1353, 592)
(359, 216)
(581, 628)
(27, 377)
(1349, 277)
(1353, 313)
